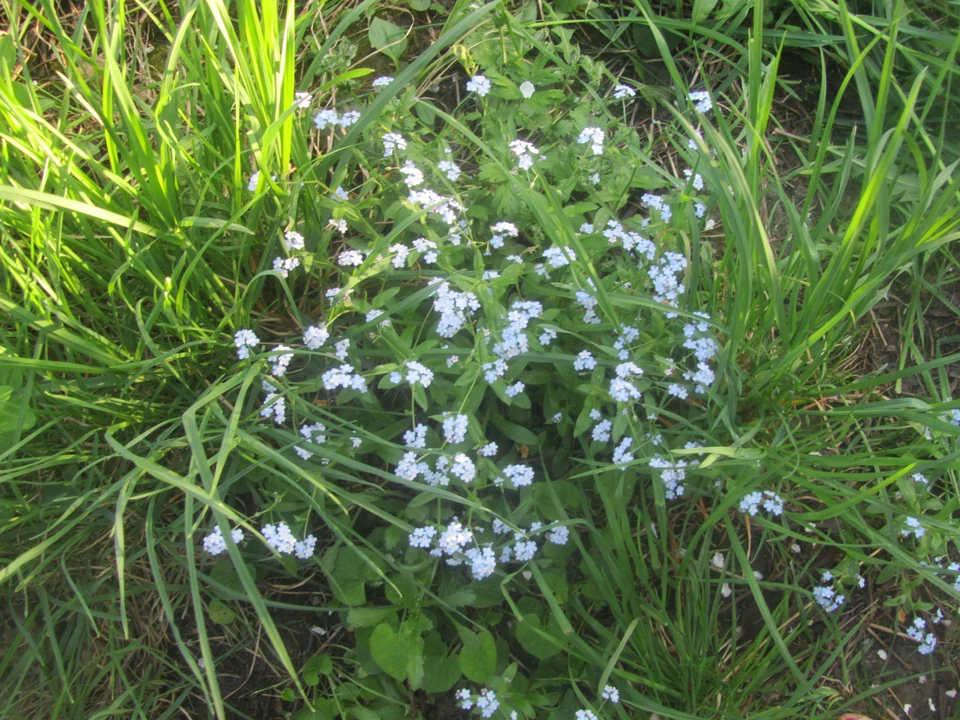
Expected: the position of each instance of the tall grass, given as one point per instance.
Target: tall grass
(130, 249)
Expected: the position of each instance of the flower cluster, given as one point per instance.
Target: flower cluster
(524, 152)
(827, 596)
(593, 136)
(330, 118)
(214, 543)
(280, 538)
(478, 84)
(245, 341)
(768, 500)
(927, 640)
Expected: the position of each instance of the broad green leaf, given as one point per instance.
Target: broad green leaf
(440, 671)
(367, 617)
(220, 613)
(391, 651)
(387, 38)
(479, 663)
(702, 9)
(530, 634)
(315, 667)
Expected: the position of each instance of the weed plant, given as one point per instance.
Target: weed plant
(484, 375)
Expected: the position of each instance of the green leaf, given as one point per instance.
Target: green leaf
(387, 38)
(440, 671)
(531, 638)
(517, 433)
(220, 613)
(315, 667)
(419, 5)
(479, 663)
(400, 655)
(10, 411)
(391, 651)
(702, 9)
(368, 617)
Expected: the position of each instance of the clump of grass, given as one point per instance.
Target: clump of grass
(613, 399)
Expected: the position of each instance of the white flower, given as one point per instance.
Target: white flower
(349, 118)
(696, 179)
(482, 564)
(913, 528)
(488, 450)
(418, 374)
(702, 100)
(524, 152)
(611, 693)
(927, 641)
(214, 543)
(672, 475)
(303, 549)
(827, 598)
(463, 468)
(374, 314)
(315, 336)
(515, 389)
(559, 535)
(678, 391)
(245, 340)
(524, 550)
(594, 136)
(280, 538)
(293, 240)
(285, 265)
(422, 537)
(623, 91)
(393, 141)
(500, 231)
(454, 308)
(451, 169)
(302, 100)
(455, 428)
(594, 179)
(487, 703)
(413, 176)
(340, 349)
(280, 362)
(326, 118)
(519, 475)
(252, 183)
(350, 257)
(454, 538)
(479, 84)
(382, 81)
(620, 454)
(416, 438)
(343, 377)
(584, 361)
(273, 405)
(585, 715)
(527, 89)
(601, 431)
(311, 433)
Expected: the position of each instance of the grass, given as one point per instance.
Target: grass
(130, 255)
